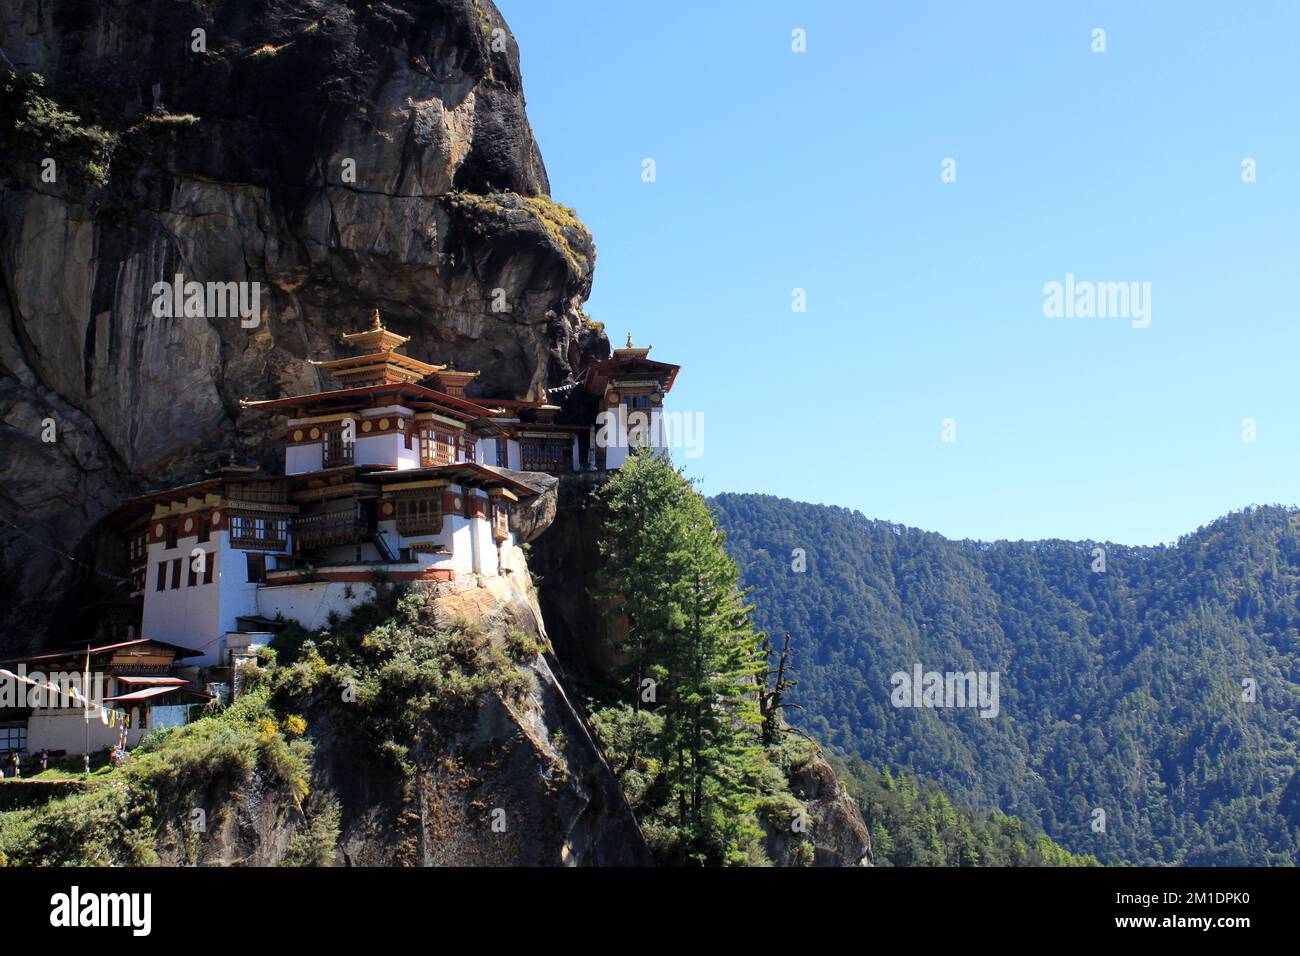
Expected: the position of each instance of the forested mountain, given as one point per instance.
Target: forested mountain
(1125, 690)
(914, 823)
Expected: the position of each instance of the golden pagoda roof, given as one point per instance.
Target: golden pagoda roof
(376, 337)
(451, 375)
(379, 363)
(377, 368)
(631, 351)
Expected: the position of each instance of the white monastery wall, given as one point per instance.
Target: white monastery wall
(310, 604)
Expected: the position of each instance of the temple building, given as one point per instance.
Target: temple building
(629, 388)
(397, 475)
(134, 679)
(401, 473)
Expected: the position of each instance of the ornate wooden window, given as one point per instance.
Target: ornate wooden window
(503, 453)
(138, 559)
(437, 447)
(263, 532)
(339, 521)
(256, 567)
(338, 451)
(419, 513)
(139, 549)
(262, 492)
(552, 455)
(500, 520)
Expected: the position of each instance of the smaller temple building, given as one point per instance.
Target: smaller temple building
(43, 706)
(629, 388)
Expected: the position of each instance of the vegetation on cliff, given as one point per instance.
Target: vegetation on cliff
(429, 727)
(405, 675)
(683, 731)
(1159, 687)
(37, 127)
(445, 736)
(176, 790)
(494, 214)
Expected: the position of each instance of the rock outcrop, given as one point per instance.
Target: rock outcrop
(839, 834)
(520, 782)
(344, 157)
(569, 554)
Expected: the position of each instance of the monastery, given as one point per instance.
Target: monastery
(401, 473)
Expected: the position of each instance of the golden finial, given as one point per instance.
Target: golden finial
(629, 341)
(374, 320)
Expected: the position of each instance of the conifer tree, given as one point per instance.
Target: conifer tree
(668, 580)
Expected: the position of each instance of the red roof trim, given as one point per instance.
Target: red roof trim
(483, 471)
(603, 368)
(397, 388)
(76, 651)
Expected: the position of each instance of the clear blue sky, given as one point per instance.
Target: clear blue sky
(821, 171)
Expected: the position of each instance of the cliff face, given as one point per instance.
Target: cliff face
(344, 156)
(459, 747)
(838, 833)
(515, 780)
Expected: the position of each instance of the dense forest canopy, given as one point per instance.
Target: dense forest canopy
(1157, 685)
(914, 823)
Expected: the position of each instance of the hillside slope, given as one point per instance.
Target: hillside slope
(426, 729)
(1120, 691)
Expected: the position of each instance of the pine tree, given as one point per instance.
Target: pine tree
(668, 580)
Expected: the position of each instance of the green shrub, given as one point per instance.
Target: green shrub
(521, 645)
(41, 128)
(415, 675)
(314, 846)
(106, 826)
(172, 771)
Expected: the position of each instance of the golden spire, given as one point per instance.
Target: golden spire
(629, 341)
(376, 337)
(379, 362)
